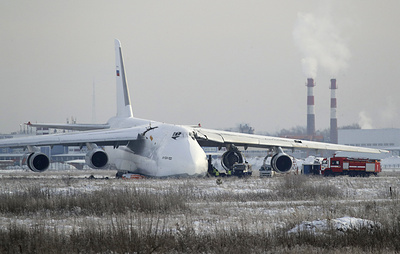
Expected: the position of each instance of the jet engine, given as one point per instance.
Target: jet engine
(281, 162)
(96, 158)
(37, 162)
(230, 157)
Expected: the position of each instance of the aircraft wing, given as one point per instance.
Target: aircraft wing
(216, 138)
(111, 137)
(76, 127)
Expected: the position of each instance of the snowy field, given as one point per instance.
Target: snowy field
(251, 205)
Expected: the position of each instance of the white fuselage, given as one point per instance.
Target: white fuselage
(163, 150)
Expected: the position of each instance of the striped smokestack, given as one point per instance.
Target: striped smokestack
(334, 130)
(310, 107)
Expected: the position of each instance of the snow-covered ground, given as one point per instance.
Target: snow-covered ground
(341, 225)
(254, 204)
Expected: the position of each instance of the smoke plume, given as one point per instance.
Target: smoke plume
(319, 41)
(364, 120)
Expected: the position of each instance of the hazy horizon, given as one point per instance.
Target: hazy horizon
(218, 63)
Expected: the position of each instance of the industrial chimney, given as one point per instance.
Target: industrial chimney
(334, 130)
(310, 108)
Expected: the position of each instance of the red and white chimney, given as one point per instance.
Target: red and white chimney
(310, 107)
(334, 129)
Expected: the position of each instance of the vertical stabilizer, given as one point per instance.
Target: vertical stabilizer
(124, 108)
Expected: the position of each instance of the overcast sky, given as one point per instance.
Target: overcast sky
(218, 63)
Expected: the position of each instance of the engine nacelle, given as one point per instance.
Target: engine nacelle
(230, 157)
(38, 162)
(96, 158)
(281, 162)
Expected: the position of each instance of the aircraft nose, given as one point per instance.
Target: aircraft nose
(182, 157)
(199, 162)
(193, 161)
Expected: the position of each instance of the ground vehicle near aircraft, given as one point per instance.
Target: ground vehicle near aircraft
(350, 166)
(271, 162)
(242, 169)
(265, 171)
(234, 163)
(152, 148)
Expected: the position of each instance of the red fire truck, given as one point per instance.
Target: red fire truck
(350, 166)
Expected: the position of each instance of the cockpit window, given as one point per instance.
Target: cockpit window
(176, 135)
(335, 163)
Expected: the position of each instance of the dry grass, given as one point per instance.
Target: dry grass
(53, 213)
(38, 200)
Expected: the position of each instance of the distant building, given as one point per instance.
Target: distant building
(372, 138)
(388, 139)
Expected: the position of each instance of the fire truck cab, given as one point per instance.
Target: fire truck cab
(350, 166)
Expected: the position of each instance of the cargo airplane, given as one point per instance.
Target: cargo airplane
(151, 148)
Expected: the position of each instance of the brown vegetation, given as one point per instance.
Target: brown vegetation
(50, 214)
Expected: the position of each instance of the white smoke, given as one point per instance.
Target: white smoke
(320, 43)
(364, 120)
(310, 66)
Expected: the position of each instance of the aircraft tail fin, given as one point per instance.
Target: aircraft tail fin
(124, 108)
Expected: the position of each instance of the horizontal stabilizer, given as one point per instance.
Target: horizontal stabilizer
(75, 127)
